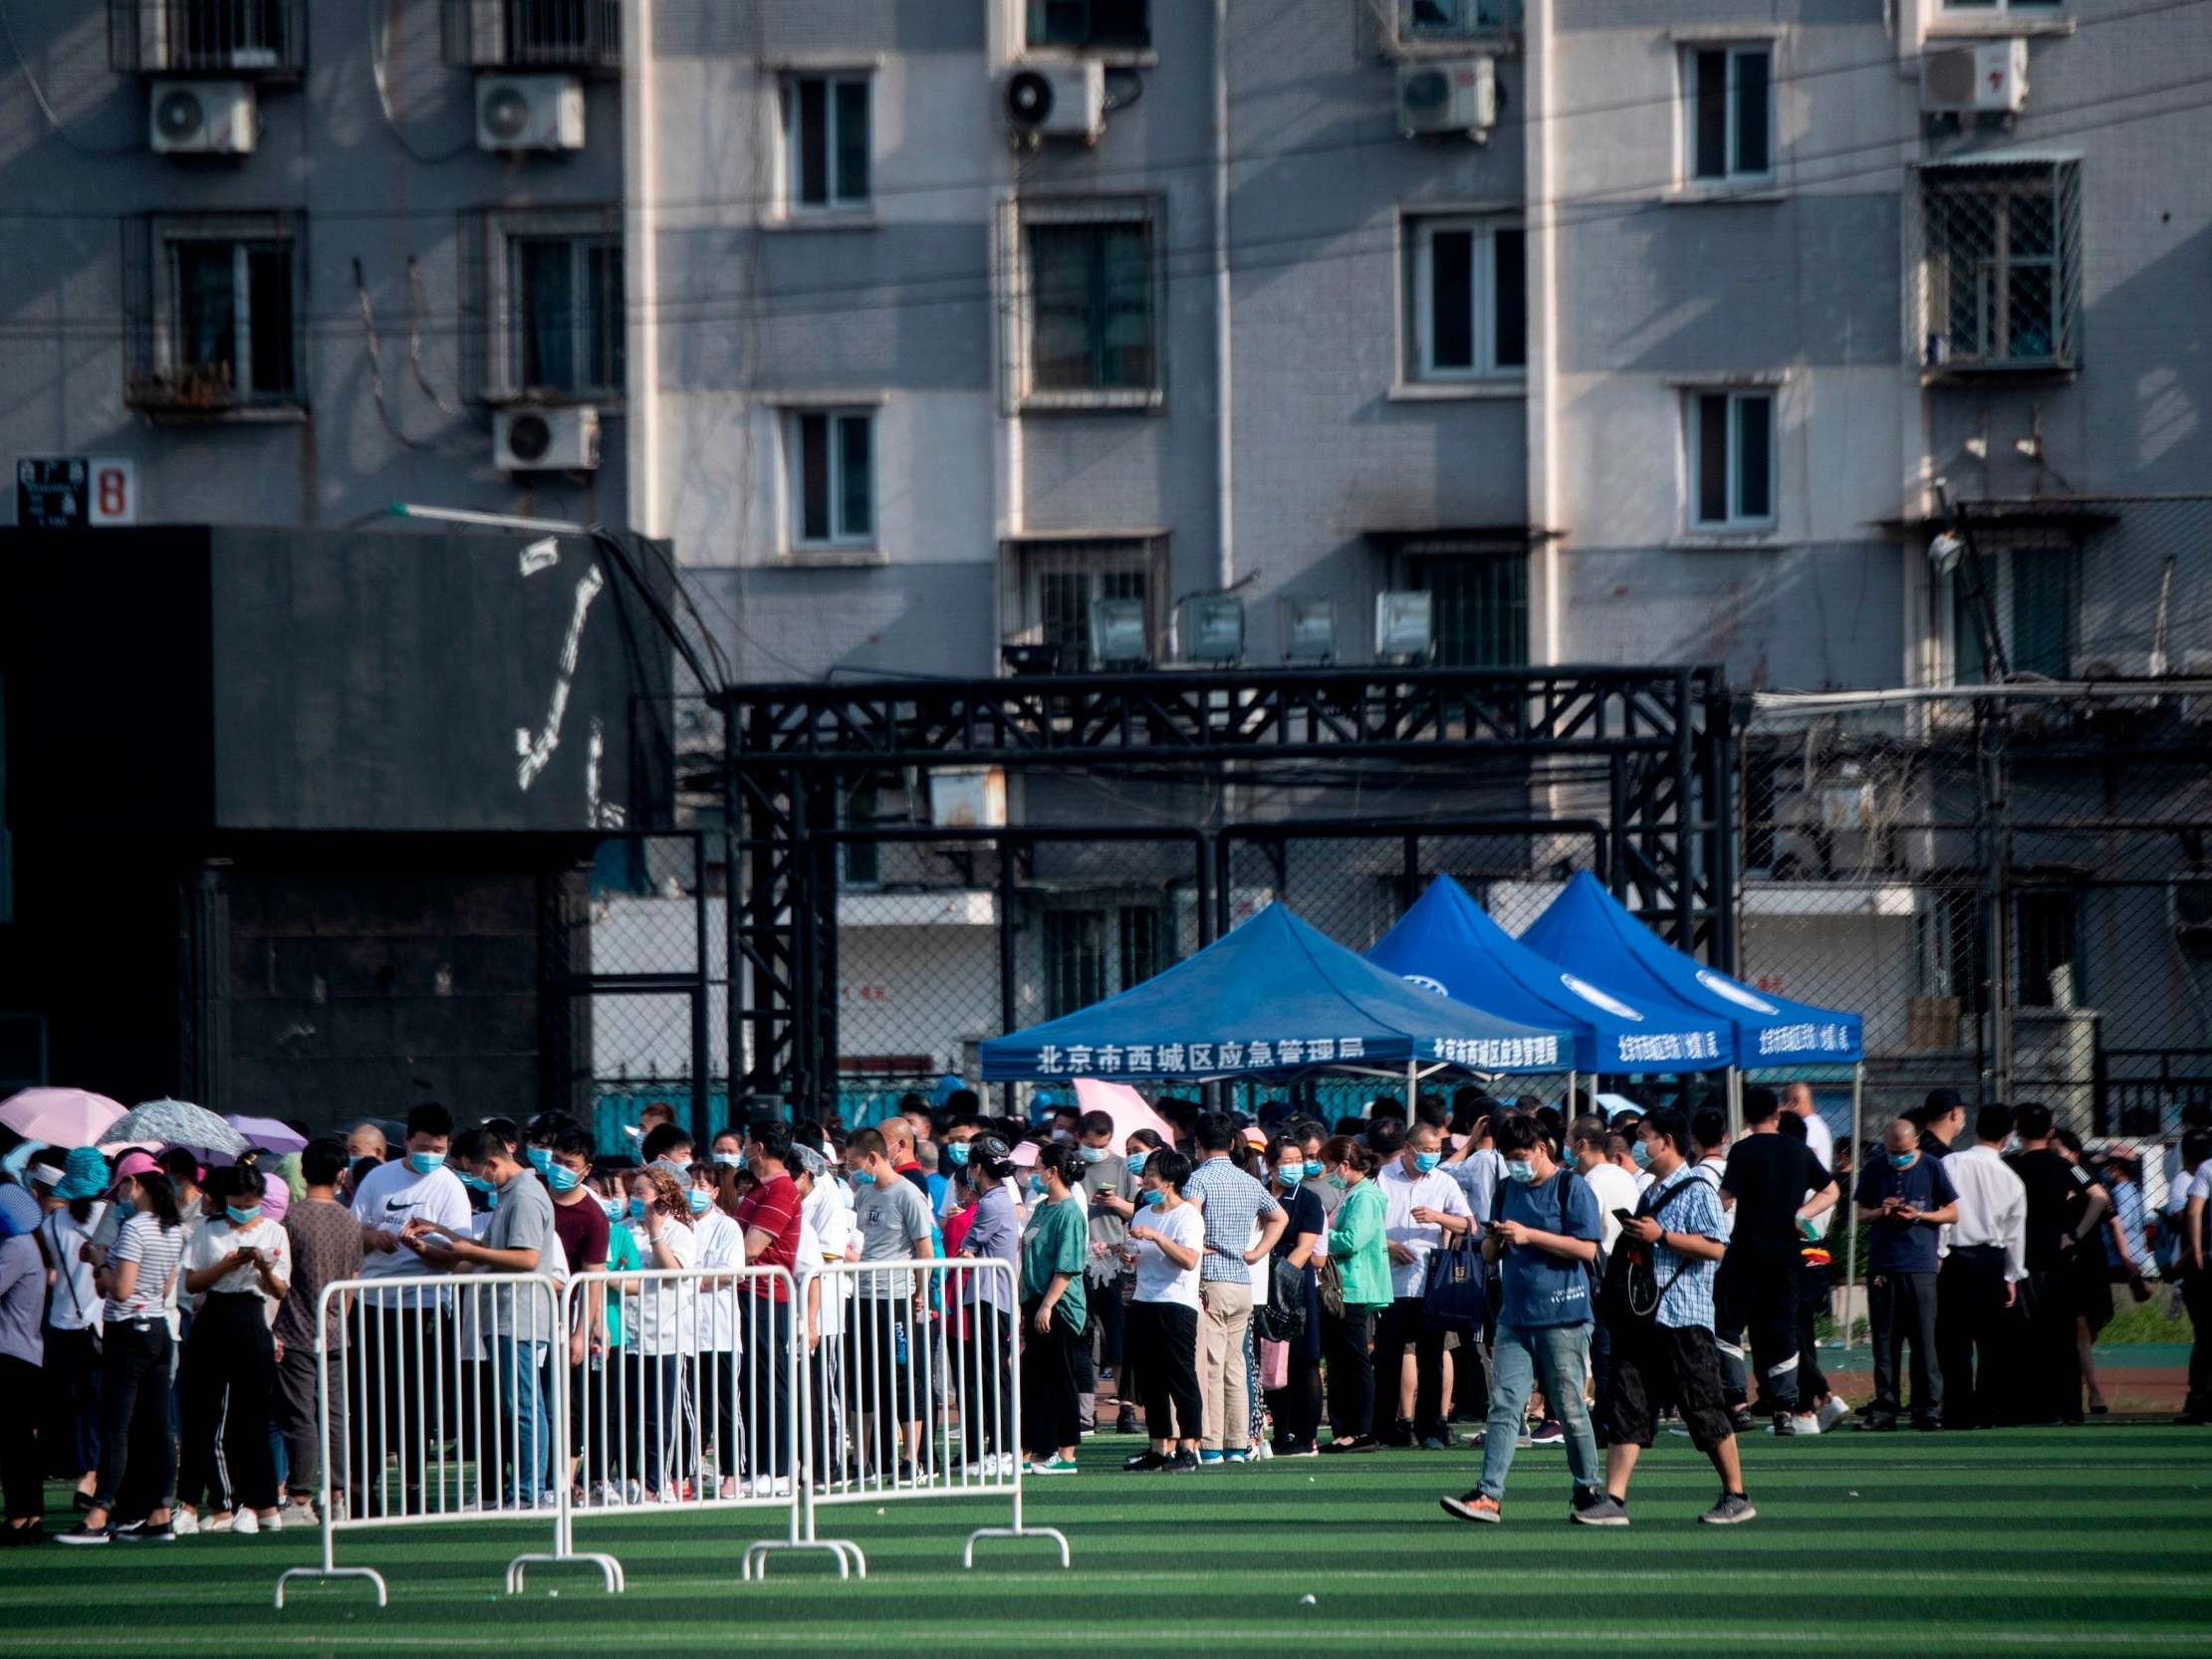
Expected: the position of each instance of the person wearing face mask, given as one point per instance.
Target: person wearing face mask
(711, 1372)
(1163, 1250)
(1359, 1270)
(1054, 1253)
(1104, 1171)
(1296, 1405)
(981, 1340)
(953, 1152)
(395, 1323)
(662, 1322)
(893, 1218)
(1422, 1207)
(240, 1264)
(326, 1250)
(1904, 1198)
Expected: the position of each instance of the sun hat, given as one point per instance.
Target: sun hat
(85, 1173)
(128, 1165)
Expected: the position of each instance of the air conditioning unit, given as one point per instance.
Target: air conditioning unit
(1984, 78)
(202, 118)
(528, 112)
(1058, 101)
(1450, 95)
(530, 438)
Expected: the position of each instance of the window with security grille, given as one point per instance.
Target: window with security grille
(2003, 265)
(2033, 580)
(1728, 97)
(1731, 459)
(215, 303)
(1074, 960)
(1114, 23)
(1144, 944)
(1090, 316)
(827, 144)
(1061, 580)
(1466, 293)
(1479, 603)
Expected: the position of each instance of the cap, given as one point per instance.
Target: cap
(276, 1197)
(1255, 1137)
(130, 1164)
(85, 1173)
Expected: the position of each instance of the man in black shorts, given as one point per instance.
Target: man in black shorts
(1670, 1354)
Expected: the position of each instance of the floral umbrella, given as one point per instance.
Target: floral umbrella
(175, 1123)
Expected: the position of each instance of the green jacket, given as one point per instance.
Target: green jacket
(1356, 1245)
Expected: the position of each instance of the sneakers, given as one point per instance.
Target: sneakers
(1053, 1466)
(82, 1533)
(1600, 1509)
(1548, 1433)
(1877, 1425)
(301, 1513)
(1475, 1506)
(1209, 1459)
(1145, 1461)
(1297, 1449)
(185, 1522)
(1125, 1422)
(1732, 1510)
(1783, 1422)
(1240, 1455)
(1433, 1444)
(1832, 1411)
(148, 1533)
(245, 1523)
(1181, 1462)
(1742, 1421)
(1803, 1423)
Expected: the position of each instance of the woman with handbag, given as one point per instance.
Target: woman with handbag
(1356, 1286)
(1296, 1301)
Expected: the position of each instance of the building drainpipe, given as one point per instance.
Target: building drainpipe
(1225, 510)
(642, 268)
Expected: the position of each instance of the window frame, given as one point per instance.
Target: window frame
(1943, 186)
(156, 367)
(1098, 559)
(1424, 558)
(501, 360)
(2000, 8)
(1733, 175)
(1103, 212)
(1418, 239)
(1036, 41)
(1411, 36)
(839, 539)
(791, 204)
(1736, 521)
(2004, 554)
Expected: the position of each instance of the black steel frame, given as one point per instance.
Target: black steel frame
(1664, 735)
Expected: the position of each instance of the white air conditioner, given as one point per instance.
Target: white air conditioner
(1058, 100)
(531, 439)
(528, 112)
(1449, 95)
(202, 118)
(1981, 78)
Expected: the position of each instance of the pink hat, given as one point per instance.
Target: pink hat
(276, 1197)
(1255, 1137)
(131, 1164)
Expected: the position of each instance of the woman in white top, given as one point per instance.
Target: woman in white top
(71, 1333)
(665, 1322)
(240, 1264)
(1163, 1245)
(710, 1366)
(137, 1450)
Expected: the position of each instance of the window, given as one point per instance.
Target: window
(2034, 589)
(1074, 960)
(1124, 25)
(832, 454)
(565, 320)
(1145, 948)
(1732, 460)
(536, 34)
(260, 38)
(1467, 293)
(216, 315)
(1449, 20)
(1479, 604)
(1089, 313)
(1728, 98)
(2001, 5)
(2003, 265)
(827, 144)
(1060, 579)
(861, 863)
(2046, 955)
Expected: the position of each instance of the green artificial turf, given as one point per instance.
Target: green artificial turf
(2095, 1541)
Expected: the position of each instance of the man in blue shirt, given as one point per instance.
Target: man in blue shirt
(1545, 1240)
(1905, 1199)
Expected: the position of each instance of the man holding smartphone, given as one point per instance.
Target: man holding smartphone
(1906, 1199)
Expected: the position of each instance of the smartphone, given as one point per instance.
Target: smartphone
(1625, 1216)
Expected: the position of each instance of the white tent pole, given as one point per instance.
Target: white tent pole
(1735, 1092)
(1573, 1079)
(1850, 1207)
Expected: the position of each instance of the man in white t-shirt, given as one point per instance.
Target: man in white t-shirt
(399, 1334)
(1423, 1208)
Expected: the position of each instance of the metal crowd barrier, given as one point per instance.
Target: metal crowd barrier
(915, 1391)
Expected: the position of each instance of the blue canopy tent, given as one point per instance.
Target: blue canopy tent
(1447, 944)
(1270, 997)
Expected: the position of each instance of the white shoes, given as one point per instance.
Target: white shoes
(185, 1522)
(1832, 1413)
(245, 1521)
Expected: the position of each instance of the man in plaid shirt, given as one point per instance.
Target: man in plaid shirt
(1671, 1354)
(1232, 1204)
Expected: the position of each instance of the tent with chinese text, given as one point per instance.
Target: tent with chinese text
(1270, 997)
(1586, 930)
(1447, 943)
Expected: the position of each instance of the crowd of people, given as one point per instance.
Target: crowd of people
(1470, 1270)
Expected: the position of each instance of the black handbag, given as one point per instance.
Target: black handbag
(1456, 1296)
(1283, 1320)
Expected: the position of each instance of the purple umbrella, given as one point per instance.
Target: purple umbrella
(267, 1133)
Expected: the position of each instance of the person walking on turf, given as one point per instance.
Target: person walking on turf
(1905, 1197)
(1544, 1240)
(1663, 1348)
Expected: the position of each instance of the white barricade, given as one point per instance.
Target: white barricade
(914, 1390)
(440, 1406)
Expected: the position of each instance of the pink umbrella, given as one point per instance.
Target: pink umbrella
(59, 1116)
(1128, 1109)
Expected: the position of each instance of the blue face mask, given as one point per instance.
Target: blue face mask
(1312, 1168)
(861, 1178)
(1036, 1185)
(637, 1209)
(541, 1158)
(1519, 1171)
(1291, 1174)
(1091, 1154)
(561, 1178)
(1136, 1162)
(125, 1203)
(956, 1153)
(730, 1160)
(615, 1208)
(700, 1201)
(474, 1183)
(1903, 1160)
(242, 1218)
(422, 1164)
(1426, 1161)
(1641, 1153)
(1151, 1196)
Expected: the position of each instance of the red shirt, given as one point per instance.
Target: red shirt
(773, 1208)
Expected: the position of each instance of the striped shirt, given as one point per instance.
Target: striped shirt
(157, 1250)
(1233, 1203)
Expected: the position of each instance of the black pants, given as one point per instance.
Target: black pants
(1755, 1294)
(21, 1478)
(398, 1359)
(1344, 1350)
(1812, 1304)
(1970, 1322)
(982, 1380)
(1163, 1343)
(1902, 1309)
(138, 1436)
(1108, 1315)
(1051, 1402)
(224, 1385)
(2050, 1371)
(72, 1430)
(878, 1368)
(2196, 1296)
(1405, 1325)
(768, 1431)
(1297, 1404)
(1653, 1365)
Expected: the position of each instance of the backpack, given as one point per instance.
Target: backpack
(1631, 1291)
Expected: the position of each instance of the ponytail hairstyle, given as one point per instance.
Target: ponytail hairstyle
(1344, 1151)
(157, 1198)
(1061, 1159)
(988, 1155)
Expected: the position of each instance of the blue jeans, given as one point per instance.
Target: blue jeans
(1522, 1357)
(530, 1429)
